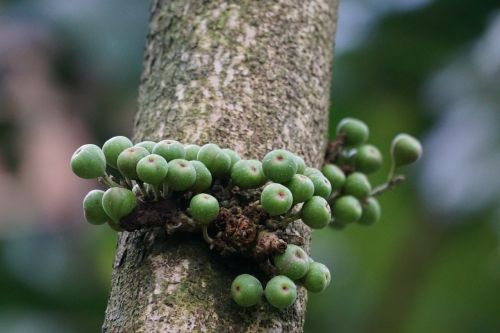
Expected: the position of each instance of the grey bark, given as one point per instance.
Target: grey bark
(250, 75)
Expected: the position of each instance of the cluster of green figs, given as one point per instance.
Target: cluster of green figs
(294, 265)
(338, 194)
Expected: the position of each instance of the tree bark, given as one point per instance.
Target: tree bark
(248, 75)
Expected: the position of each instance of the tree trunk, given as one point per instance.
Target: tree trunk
(249, 75)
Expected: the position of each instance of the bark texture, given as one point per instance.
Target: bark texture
(249, 75)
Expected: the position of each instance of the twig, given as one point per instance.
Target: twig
(283, 223)
(111, 181)
(156, 192)
(394, 181)
(107, 181)
(143, 189)
(332, 197)
(207, 238)
(392, 170)
(334, 148)
(129, 183)
(291, 218)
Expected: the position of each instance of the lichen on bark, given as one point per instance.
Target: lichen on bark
(250, 75)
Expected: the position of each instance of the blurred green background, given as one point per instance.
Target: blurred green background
(69, 72)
